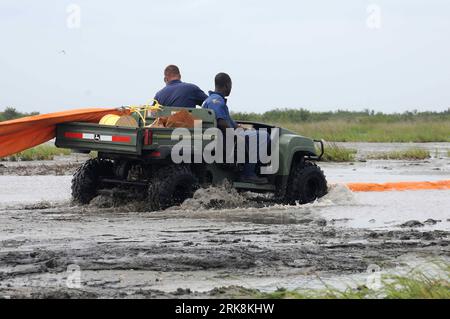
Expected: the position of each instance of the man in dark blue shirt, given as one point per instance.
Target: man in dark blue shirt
(218, 103)
(177, 93)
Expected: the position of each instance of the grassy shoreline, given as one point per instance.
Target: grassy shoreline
(38, 153)
(413, 285)
(333, 153)
(337, 153)
(342, 125)
(410, 154)
(362, 126)
(402, 132)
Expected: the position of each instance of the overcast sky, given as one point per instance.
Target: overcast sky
(321, 55)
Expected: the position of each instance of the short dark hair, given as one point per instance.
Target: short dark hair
(222, 80)
(171, 70)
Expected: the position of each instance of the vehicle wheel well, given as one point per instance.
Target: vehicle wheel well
(297, 158)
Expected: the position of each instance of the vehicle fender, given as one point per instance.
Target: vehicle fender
(291, 144)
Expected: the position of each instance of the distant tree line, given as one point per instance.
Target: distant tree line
(286, 115)
(10, 113)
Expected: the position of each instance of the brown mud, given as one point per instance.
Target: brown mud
(191, 251)
(220, 238)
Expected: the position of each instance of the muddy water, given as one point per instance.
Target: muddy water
(220, 237)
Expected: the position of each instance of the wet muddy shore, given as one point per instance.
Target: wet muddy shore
(218, 239)
(153, 255)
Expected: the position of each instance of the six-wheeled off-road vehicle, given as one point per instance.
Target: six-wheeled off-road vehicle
(137, 160)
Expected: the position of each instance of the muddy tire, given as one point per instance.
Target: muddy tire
(170, 186)
(306, 183)
(85, 181)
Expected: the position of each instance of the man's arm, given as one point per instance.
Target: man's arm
(199, 96)
(222, 125)
(157, 98)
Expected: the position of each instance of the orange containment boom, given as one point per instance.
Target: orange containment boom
(400, 186)
(21, 134)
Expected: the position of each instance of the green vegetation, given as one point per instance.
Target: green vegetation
(402, 132)
(339, 126)
(416, 285)
(38, 153)
(304, 115)
(411, 154)
(336, 153)
(343, 126)
(365, 126)
(11, 113)
(395, 287)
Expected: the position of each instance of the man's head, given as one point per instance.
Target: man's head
(223, 84)
(171, 73)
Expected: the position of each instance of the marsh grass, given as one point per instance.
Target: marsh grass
(344, 131)
(359, 126)
(410, 154)
(336, 153)
(415, 285)
(38, 153)
(419, 287)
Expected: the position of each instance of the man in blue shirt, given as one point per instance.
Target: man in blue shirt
(177, 93)
(218, 103)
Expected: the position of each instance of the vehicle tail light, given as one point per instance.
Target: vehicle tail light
(148, 137)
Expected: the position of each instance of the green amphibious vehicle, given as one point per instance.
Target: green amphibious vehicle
(138, 160)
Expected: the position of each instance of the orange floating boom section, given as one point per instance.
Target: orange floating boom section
(399, 186)
(21, 134)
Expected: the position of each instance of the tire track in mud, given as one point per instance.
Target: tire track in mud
(229, 250)
(237, 249)
(225, 257)
(38, 169)
(240, 240)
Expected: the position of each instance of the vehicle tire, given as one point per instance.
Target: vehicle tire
(306, 183)
(170, 186)
(85, 181)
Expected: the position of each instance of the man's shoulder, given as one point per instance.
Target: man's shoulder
(189, 86)
(215, 100)
(162, 91)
